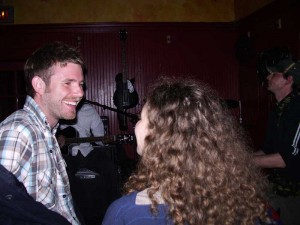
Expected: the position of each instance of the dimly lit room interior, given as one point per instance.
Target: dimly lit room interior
(216, 41)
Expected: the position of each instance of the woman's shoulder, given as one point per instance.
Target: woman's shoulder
(122, 204)
(119, 208)
(273, 217)
(134, 208)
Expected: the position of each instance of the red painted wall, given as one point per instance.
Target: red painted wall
(200, 50)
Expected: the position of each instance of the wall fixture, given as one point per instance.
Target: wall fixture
(6, 14)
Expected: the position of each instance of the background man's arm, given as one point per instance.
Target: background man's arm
(269, 160)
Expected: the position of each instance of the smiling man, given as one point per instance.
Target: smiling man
(28, 147)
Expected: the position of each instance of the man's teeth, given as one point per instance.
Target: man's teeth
(71, 103)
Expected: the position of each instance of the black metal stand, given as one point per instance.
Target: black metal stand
(132, 117)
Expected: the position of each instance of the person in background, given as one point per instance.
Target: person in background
(194, 166)
(28, 146)
(280, 154)
(93, 175)
(88, 123)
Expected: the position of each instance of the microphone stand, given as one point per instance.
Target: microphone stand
(133, 117)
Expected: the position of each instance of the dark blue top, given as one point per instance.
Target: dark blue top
(17, 207)
(125, 211)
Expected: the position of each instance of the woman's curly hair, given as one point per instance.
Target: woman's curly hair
(197, 156)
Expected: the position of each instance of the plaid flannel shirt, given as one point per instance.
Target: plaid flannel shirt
(29, 149)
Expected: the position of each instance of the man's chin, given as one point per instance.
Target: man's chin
(69, 117)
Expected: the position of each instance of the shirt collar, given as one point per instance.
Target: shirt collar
(33, 108)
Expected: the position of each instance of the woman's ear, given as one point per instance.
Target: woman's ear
(38, 85)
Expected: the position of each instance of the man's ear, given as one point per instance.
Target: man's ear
(38, 85)
(290, 79)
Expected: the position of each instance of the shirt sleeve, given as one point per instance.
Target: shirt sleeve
(289, 135)
(291, 144)
(15, 150)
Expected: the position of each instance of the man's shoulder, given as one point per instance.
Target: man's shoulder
(295, 103)
(87, 108)
(20, 120)
(88, 113)
(15, 117)
(296, 96)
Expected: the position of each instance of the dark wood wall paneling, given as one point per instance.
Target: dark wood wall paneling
(200, 50)
(276, 25)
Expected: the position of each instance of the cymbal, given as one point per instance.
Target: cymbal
(229, 103)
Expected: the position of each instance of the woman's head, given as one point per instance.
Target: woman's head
(195, 154)
(177, 114)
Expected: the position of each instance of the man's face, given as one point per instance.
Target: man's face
(63, 93)
(276, 82)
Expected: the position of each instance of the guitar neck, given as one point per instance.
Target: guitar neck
(105, 139)
(123, 38)
(123, 61)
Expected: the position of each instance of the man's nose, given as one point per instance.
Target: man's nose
(79, 90)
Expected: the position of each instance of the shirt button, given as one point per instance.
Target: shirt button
(64, 196)
(8, 197)
(51, 151)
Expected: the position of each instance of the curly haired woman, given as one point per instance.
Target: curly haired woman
(194, 166)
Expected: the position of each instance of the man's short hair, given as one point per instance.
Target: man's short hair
(39, 63)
